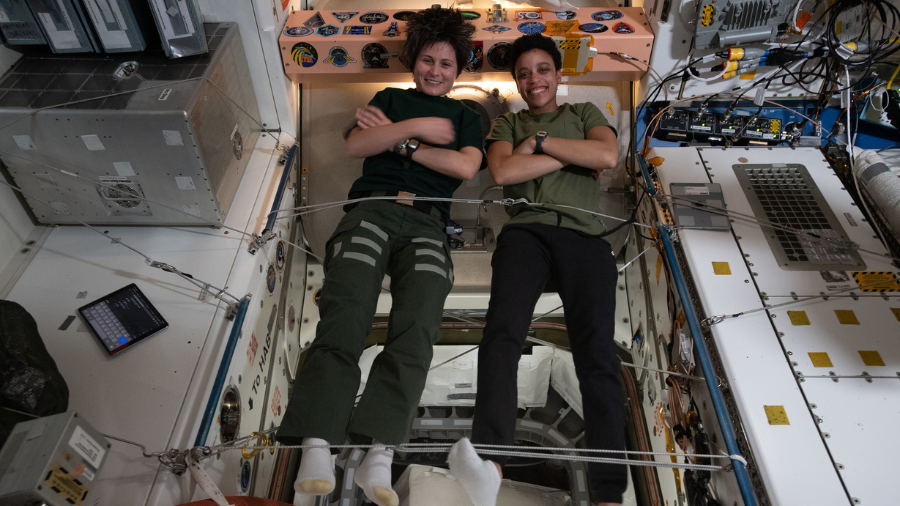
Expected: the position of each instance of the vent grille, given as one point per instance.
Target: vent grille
(744, 15)
(786, 198)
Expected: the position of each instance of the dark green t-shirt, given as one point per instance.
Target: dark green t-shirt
(571, 186)
(385, 171)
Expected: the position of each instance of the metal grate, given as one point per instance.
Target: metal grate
(785, 196)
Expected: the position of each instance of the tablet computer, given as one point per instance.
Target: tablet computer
(123, 318)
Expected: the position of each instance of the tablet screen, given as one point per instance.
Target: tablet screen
(123, 318)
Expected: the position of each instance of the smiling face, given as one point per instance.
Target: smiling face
(435, 69)
(537, 80)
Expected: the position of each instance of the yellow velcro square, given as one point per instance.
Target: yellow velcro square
(846, 316)
(776, 415)
(721, 268)
(820, 359)
(896, 311)
(871, 358)
(798, 317)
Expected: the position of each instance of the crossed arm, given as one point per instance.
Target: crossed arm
(376, 133)
(598, 151)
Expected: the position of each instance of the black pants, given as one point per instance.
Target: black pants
(584, 271)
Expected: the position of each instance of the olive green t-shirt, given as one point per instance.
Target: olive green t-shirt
(571, 186)
(386, 171)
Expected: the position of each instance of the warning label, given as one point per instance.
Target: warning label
(877, 281)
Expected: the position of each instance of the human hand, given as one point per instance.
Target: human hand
(371, 116)
(597, 173)
(526, 147)
(433, 130)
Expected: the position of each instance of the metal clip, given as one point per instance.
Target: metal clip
(263, 441)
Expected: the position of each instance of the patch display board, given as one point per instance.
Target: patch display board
(362, 46)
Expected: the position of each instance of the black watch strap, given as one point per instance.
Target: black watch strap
(539, 141)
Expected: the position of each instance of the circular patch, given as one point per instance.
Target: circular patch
(593, 28)
(304, 54)
(292, 318)
(606, 15)
(566, 15)
(270, 279)
(470, 15)
(403, 15)
(372, 56)
(317, 297)
(498, 56)
(338, 57)
(373, 18)
(280, 254)
(298, 31)
(531, 27)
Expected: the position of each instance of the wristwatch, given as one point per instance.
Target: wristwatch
(400, 146)
(411, 146)
(538, 141)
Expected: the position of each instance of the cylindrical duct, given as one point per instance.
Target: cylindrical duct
(882, 184)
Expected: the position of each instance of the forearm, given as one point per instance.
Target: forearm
(514, 169)
(456, 164)
(362, 143)
(590, 154)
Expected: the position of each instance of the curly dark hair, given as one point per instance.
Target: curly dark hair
(526, 43)
(434, 25)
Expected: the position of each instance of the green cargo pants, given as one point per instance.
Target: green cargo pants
(374, 238)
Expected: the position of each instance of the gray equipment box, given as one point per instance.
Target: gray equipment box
(162, 145)
(65, 26)
(18, 24)
(178, 22)
(116, 24)
(52, 460)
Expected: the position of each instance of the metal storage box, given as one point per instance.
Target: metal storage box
(89, 135)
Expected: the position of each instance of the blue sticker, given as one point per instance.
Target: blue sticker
(373, 18)
(496, 29)
(245, 476)
(304, 54)
(328, 30)
(392, 31)
(593, 28)
(270, 278)
(531, 27)
(298, 31)
(357, 30)
(606, 15)
(317, 297)
(338, 57)
(623, 28)
(343, 17)
(566, 15)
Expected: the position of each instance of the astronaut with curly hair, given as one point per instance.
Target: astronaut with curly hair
(416, 143)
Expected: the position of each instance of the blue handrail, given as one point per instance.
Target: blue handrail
(646, 173)
(270, 223)
(740, 470)
(210, 413)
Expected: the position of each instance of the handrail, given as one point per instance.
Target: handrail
(276, 205)
(740, 470)
(214, 397)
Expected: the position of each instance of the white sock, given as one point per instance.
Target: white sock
(480, 478)
(301, 499)
(316, 475)
(374, 477)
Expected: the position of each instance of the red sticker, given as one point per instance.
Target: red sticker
(251, 350)
(276, 402)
